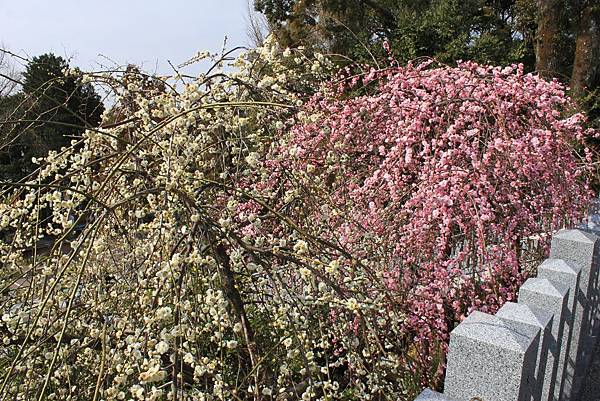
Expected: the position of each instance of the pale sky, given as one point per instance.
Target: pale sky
(146, 33)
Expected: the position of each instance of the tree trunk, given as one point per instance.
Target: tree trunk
(586, 67)
(547, 60)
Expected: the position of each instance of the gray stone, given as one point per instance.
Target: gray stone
(567, 273)
(532, 317)
(581, 248)
(491, 358)
(552, 297)
(430, 395)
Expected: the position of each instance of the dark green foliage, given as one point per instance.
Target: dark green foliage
(451, 30)
(68, 105)
(347, 27)
(51, 111)
(488, 31)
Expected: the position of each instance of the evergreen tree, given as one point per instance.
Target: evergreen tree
(52, 109)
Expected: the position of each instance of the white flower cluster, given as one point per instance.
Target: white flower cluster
(145, 270)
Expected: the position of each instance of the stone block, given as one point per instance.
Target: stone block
(491, 358)
(567, 273)
(532, 317)
(582, 248)
(552, 297)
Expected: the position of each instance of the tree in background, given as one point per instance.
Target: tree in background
(493, 32)
(568, 47)
(53, 108)
(586, 65)
(345, 27)
(557, 38)
(69, 105)
(568, 42)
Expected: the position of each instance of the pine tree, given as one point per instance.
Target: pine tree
(52, 110)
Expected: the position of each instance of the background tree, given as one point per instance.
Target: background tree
(547, 40)
(485, 31)
(586, 66)
(556, 38)
(489, 32)
(346, 27)
(568, 42)
(52, 109)
(63, 100)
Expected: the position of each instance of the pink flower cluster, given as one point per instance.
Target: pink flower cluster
(447, 179)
